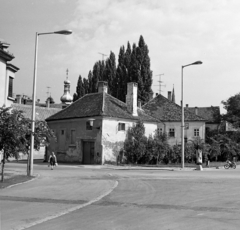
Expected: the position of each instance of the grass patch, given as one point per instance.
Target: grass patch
(14, 180)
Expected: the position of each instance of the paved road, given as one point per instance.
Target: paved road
(106, 198)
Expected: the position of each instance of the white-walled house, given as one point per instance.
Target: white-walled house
(92, 130)
(170, 114)
(7, 75)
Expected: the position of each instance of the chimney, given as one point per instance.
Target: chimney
(196, 110)
(169, 95)
(187, 106)
(19, 98)
(131, 98)
(102, 87)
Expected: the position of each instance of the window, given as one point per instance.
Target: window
(10, 87)
(88, 126)
(62, 132)
(73, 136)
(196, 132)
(160, 131)
(171, 132)
(121, 126)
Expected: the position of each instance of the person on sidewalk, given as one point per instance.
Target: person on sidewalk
(52, 160)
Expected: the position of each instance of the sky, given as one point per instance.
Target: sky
(177, 33)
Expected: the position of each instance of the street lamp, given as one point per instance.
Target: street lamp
(30, 162)
(182, 104)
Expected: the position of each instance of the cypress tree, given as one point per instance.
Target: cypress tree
(86, 85)
(109, 74)
(121, 76)
(96, 76)
(80, 91)
(90, 82)
(145, 81)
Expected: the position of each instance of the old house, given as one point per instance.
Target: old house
(92, 130)
(7, 75)
(166, 110)
(210, 114)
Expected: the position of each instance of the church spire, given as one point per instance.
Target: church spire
(66, 98)
(173, 95)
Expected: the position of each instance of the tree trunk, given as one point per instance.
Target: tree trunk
(3, 163)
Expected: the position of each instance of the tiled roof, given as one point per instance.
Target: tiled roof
(165, 110)
(208, 113)
(41, 112)
(98, 104)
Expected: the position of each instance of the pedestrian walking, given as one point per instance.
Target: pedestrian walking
(52, 160)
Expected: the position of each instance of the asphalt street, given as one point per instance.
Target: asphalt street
(94, 197)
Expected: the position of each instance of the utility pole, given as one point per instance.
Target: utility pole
(160, 82)
(103, 55)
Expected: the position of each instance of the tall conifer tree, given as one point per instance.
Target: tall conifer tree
(109, 74)
(80, 91)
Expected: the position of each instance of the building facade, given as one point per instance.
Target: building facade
(166, 110)
(7, 75)
(92, 130)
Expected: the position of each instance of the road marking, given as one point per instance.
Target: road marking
(67, 211)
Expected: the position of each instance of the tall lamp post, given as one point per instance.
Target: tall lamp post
(30, 162)
(182, 131)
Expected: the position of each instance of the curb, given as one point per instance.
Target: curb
(25, 182)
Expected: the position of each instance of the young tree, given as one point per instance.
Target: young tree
(15, 133)
(135, 144)
(161, 146)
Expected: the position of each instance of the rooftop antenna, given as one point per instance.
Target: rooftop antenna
(103, 55)
(160, 82)
(48, 91)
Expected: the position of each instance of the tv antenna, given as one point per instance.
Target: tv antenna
(48, 91)
(103, 55)
(160, 82)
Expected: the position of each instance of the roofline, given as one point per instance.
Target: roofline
(6, 55)
(12, 67)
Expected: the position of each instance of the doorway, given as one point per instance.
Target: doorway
(88, 152)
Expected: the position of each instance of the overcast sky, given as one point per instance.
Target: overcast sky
(177, 32)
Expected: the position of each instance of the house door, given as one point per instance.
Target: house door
(88, 152)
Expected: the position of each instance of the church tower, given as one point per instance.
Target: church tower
(66, 98)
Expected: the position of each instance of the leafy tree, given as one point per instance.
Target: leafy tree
(15, 133)
(161, 146)
(232, 105)
(135, 144)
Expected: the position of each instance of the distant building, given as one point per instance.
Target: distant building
(167, 111)
(7, 75)
(210, 114)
